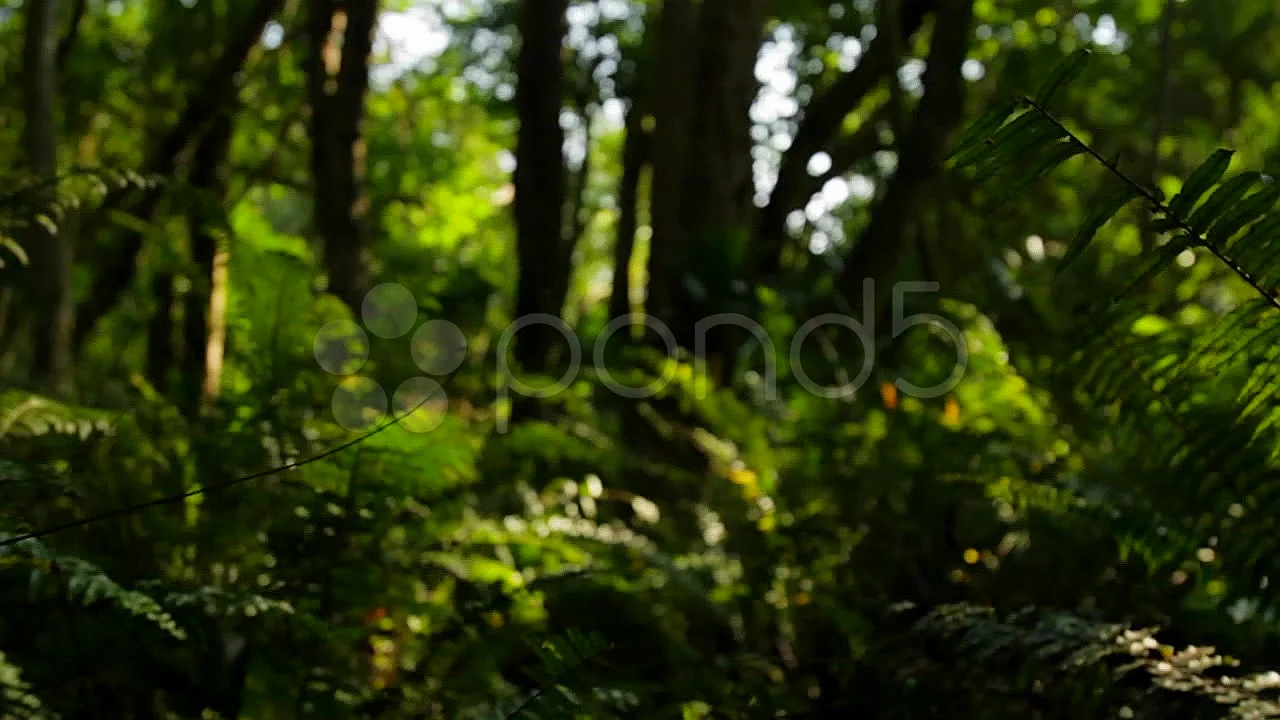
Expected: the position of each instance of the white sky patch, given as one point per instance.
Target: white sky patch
(1106, 32)
(410, 38)
(973, 70)
(775, 101)
(819, 164)
(272, 35)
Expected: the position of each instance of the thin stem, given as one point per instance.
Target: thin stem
(1157, 204)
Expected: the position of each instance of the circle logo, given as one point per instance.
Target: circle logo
(438, 347)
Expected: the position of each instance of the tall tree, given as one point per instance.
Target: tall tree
(341, 38)
(540, 178)
(50, 250)
(817, 130)
(205, 305)
(702, 184)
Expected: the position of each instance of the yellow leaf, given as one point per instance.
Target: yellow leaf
(889, 395)
(951, 411)
(743, 476)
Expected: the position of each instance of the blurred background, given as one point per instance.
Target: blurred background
(235, 234)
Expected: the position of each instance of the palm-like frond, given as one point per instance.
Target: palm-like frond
(82, 582)
(16, 699)
(560, 694)
(24, 414)
(1065, 645)
(1192, 409)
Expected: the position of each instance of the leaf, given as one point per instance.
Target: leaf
(1017, 130)
(1103, 210)
(983, 128)
(1209, 172)
(1057, 154)
(1066, 71)
(1165, 224)
(1224, 197)
(13, 247)
(1246, 211)
(1258, 238)
(1018, 144)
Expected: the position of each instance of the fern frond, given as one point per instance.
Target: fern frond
(217, 602)
(1068, 644)
(83, 583)
(560, 658)
(16, 699)
(24, 414)
(1195, 404)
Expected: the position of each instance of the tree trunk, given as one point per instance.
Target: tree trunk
(50, 250)
(701, 208)
(203, 322)
(634, 156)
(540, 180)
(703, 85)
(673, 108)
(341, 37)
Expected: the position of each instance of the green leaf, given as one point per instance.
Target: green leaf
(1008, 152)
(983, 128)
(1023, 131)
(15, 249)
(1224, 197)
(1209, 172)
(1104, 208)
(1165, 224)
(1257, 239)
(1066, 71)
(1245, 212)
(1057, 154)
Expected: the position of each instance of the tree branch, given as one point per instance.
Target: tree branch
(822, 118)
(216, 90)
(73, 30)
(881, 245)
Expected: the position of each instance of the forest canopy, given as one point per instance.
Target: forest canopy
(639, 359)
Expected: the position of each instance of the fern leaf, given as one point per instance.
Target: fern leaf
(15, 250)
(559, 658)
(16, 699)
(1106, 206)
(981, 130)
(1154, 266)
(1046, 162)
(1227, 195)
(1203, 178)
(1066, 71)
(26, 414)
(1246, 211)
(1256, 240)
(1015, 142)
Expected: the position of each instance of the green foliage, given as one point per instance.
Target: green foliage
(1062, 646)
(80, 582)
(734, 545)
(24, 414)
(1165, 382)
